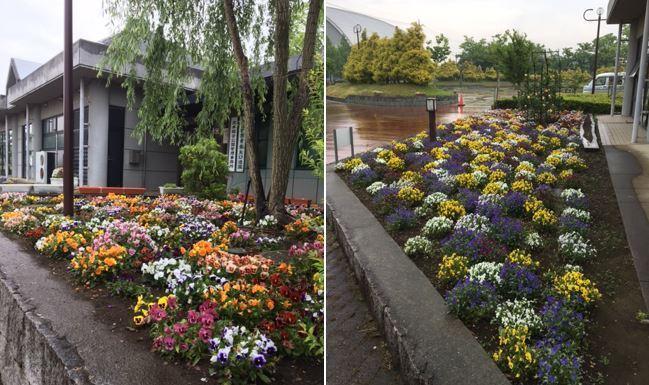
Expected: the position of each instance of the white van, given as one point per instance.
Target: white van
(604, 83)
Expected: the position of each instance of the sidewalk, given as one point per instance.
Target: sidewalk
(356, 351)
(628, 165)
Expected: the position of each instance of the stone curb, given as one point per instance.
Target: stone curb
(431, 346)
(30, 351)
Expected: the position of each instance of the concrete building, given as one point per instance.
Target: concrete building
(341, 22)
(111, 155)
(633, 13)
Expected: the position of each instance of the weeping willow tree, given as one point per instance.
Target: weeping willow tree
(159, 45)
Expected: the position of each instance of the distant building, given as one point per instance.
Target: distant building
(340, 25)
(111, 155)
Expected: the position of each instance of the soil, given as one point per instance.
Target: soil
(616, 347)
(117, 313)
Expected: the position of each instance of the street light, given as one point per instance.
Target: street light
(431, 107)
(599, 12)
(357, 31)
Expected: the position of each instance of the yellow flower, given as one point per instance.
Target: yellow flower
(452, 267)
(138, 320)
(451, 209)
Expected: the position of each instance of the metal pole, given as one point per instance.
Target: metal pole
(617, 64)
(335, 145)
(68, 188)
(432, 125)
(82, 129)
(351, 139)
(599, 20)
(26, 141)
(6, 147)
(642, 75)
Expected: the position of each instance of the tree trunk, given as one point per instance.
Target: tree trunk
(286, 128)
(248, 115)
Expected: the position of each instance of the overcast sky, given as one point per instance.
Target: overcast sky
(33, 29)
(555, 23)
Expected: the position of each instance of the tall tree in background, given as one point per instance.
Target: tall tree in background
(440, 51)
(513, 50)
(230, 41)
(336, 58)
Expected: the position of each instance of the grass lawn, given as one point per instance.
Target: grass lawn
(342, 90)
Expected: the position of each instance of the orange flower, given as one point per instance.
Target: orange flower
(110, 261)
(270, 304)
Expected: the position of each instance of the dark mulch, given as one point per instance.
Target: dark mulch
(617, 345)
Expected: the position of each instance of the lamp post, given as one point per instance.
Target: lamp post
(431, 107)
(357, 31)
(68, 188)
(599, 19)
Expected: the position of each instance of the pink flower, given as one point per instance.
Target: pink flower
(169, 343)
(131, 252)
(207, 320)
(192, 316)
(156, 313)
(172, 302)
(205, 334)
(180, 328)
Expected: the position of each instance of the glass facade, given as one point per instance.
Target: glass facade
(53, 139)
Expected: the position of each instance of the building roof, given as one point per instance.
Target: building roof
(343, 22)
(624, 11)
(25, 67)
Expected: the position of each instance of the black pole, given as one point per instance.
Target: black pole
(351, 139)
(599, 20)
(68, 187)
(432, 125)
(358, 40)
(335, 146)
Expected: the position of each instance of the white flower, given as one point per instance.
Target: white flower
(268, 221)
(533, 240)
(418, 245)
(359, 168)
(475, 222)
(574, 247)
(437, 226)
(581, 215)
(375, 187)
(519, 312)
(486, 271)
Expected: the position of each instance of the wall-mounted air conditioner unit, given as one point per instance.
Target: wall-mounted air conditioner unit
(41, 167)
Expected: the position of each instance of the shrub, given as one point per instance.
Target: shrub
(205, 169)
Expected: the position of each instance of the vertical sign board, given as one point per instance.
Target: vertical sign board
(232, 143)
(241, 150)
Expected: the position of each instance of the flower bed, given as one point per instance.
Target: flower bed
(237, 313)
(495, 208)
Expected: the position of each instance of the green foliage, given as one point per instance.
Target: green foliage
(574, 80)
(205, 169)
(477, 52)
(169, 39)
(592, 104)
(344, 89)
(539, 94)
(448, 70)
(399, 59)
(472, 72)
(128, 289)
(440, 51)
(313, 122)
(336, 58)
(513, 50)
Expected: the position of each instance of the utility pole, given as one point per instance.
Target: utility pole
(68, 177)
(599, 12)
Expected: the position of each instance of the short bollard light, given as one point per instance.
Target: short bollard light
(431, 106)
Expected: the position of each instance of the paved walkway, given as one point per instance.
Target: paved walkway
(629, 167)
(356, 351)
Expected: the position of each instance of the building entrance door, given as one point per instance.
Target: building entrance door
(115, 162)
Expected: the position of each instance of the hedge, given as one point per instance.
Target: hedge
(587, 106)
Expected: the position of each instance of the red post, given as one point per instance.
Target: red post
(68, 177)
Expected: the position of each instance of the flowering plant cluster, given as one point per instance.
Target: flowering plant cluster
(497, 198)
(240, 312)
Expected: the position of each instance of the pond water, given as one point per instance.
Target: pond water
(376, 125)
